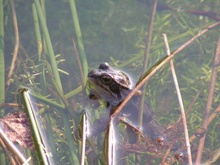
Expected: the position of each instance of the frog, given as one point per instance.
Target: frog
(113, 86)
(109, 84)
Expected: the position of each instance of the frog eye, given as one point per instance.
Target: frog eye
(106, 80)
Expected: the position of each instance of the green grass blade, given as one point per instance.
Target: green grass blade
(79, 38)
(37, 136)
(52, 142)
(49, 44)
(39, 50)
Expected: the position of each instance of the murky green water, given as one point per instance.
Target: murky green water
(113, 32)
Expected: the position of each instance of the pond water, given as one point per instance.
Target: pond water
(62, 41)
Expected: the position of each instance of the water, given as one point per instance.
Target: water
(113, 32)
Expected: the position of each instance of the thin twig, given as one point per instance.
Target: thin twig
(79, 62)
(165, 156)
(11, 159)
(12, 147)
(149, 36)
(211, 118)
(84, 136)
(180, 101)
(27, 161)
(213, 115)
(209, 102)
(146, 53)
(187, 111)
(215, 157)
(190, 106)
(156, 67)
(111, 143)
(15, 53)
(146, 56)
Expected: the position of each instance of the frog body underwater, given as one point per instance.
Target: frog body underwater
(113, 86)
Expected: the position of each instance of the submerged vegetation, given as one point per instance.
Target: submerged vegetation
(48, 47)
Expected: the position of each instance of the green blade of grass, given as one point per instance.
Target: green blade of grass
(37, 136)
(43, 88)
(57, 84)
(49, 44)
(79, 38)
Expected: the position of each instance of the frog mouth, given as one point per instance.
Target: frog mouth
(99, 87)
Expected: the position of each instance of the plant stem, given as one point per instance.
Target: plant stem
(16, 47)
(149, 36)
(79, 39)
(79, 62)
(156, 47)
(49, 45)
(41, 151)
(180, 101)
(209, 102)
(158, 66)
(74, 92)
(2, 60)
(43, 88)
(146, 56)
(12, 147)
